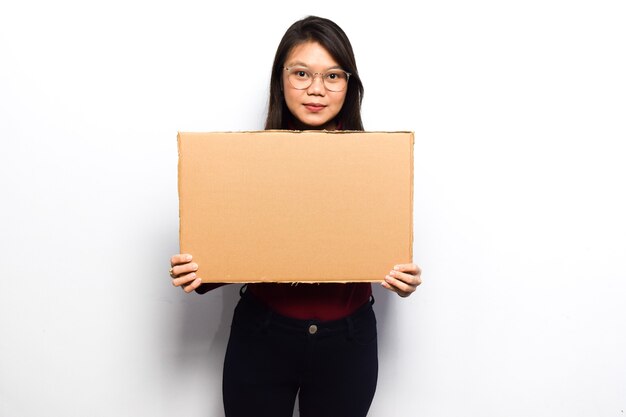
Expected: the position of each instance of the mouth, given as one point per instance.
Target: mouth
(314, 107)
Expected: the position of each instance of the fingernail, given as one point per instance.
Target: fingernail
(194, 266)
(188, 258)
(397, 267)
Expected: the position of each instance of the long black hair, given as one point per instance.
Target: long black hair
(335, 41)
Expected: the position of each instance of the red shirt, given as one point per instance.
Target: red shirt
(327, 301)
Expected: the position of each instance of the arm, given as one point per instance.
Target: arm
(206, 287)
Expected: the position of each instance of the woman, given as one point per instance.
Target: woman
(315, 340)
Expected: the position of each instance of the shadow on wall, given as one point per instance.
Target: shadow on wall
(203, 330)
(383, 307)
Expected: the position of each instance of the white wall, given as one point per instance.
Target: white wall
(519, 115)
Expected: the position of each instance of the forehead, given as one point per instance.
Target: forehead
(311, 54)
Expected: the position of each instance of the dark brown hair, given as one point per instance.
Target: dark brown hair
(334, 40)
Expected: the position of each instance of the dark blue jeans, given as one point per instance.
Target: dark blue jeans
(332, 366)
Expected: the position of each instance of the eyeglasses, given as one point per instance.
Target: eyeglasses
(301, 78)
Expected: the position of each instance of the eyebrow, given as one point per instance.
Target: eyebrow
(302, 64)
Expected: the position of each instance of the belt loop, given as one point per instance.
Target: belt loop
(350, 328)
(372, 299)
(243, 289)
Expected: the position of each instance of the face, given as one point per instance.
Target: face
(314, 107)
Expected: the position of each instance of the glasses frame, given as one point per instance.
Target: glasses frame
(322, 74)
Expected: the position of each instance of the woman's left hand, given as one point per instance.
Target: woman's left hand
(403, 279)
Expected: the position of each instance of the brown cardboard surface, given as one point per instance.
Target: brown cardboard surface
(296, 206)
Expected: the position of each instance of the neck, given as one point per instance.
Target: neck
(298, 125)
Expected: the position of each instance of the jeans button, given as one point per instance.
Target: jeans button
(312, 329)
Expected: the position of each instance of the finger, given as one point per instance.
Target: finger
(402, 287)
(183, 269)
(413, 280)
(184, 279)
(409, 268)
(180, 259)
(193, 286)
(391, 288)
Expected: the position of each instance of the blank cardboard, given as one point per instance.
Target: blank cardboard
(296, 206)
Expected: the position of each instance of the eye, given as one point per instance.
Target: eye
(335, 76)
(301, 74)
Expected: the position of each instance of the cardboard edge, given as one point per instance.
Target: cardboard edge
(334, 132)
(292, 282)
(411, 202)
(180, 200)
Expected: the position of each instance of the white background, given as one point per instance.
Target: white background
(518, 109)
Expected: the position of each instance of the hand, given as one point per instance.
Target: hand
(183, 272)
(403, 279)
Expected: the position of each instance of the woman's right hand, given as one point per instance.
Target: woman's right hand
(183, 272)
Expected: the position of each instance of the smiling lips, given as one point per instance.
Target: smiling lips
(314, 107)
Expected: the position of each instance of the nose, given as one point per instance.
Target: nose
(317, 87)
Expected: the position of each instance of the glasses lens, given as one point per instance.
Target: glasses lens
(301, 79)
(335, 80)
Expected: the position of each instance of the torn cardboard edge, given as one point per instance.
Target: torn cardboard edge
(230, 209)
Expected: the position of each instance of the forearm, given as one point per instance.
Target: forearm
(208, 286)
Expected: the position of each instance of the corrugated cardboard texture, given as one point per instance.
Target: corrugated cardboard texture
(291, 206)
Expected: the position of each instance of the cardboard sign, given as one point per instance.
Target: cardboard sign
(296, 206)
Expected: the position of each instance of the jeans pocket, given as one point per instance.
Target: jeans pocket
(363, 329)
(248, 321)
